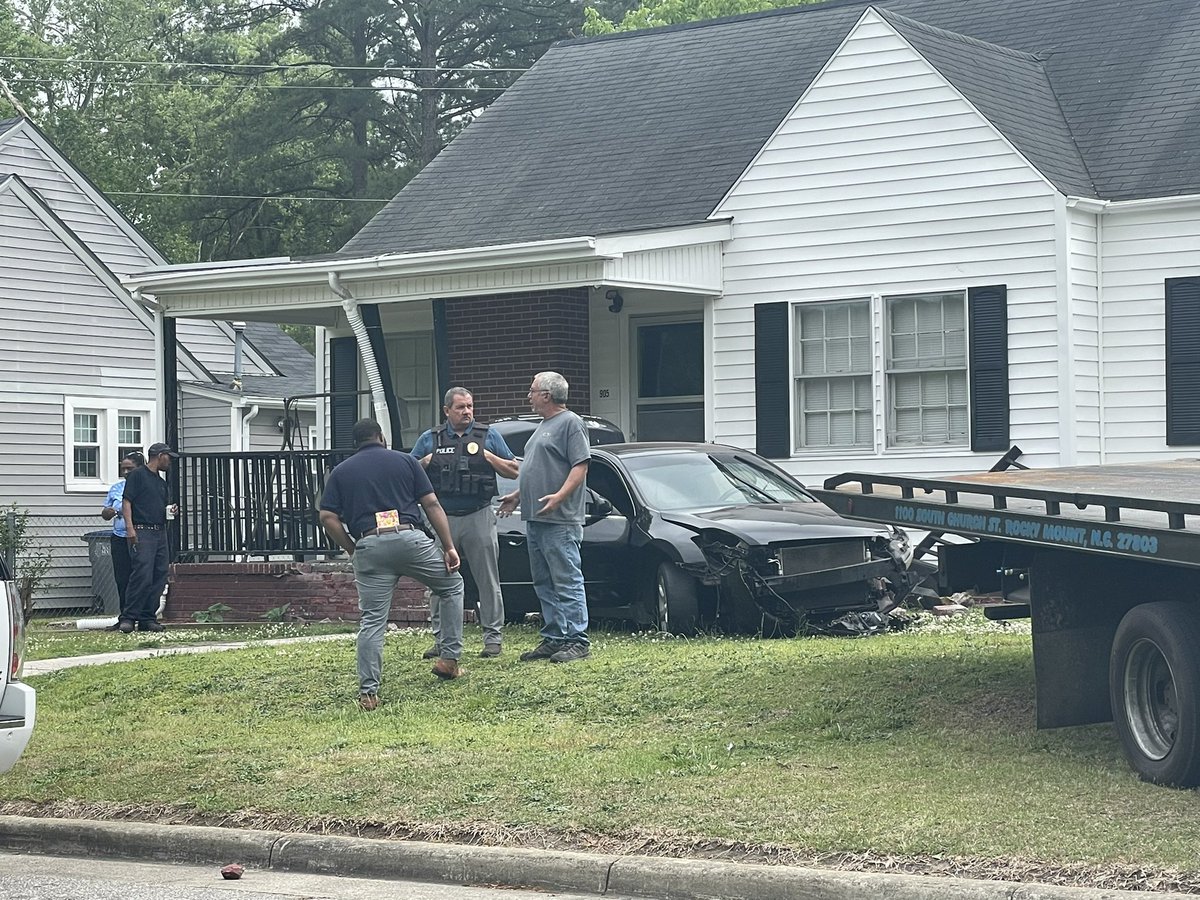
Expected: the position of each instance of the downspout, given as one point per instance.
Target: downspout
(354, 318)
(245, 428)
(239, 338)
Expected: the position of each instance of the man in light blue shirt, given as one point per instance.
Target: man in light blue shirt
(121, 563)
(462, 458)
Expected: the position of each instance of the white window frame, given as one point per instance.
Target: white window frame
(107, 412)
(800, 379)
(882, 412)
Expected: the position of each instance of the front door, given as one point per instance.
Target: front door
(668, 379)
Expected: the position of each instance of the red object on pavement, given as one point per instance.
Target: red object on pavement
(232, 871)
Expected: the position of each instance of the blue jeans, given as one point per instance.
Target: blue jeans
(558, 580)
(379, 561)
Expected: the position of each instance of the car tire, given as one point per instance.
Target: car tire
(1154, 686)
(676, 600)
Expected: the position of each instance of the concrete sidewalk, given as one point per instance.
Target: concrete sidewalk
(37, 667)
(548, 870)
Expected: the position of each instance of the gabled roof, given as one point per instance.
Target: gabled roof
(1013, 91)
(645, 129)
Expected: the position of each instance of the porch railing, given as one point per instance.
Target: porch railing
(245, 505)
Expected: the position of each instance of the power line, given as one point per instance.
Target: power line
(246, 197)
(265, 66)
(277, 87)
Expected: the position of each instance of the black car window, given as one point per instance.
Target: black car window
(607, 483)
(686, 480)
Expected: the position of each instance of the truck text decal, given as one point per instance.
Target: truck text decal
(1028, 529)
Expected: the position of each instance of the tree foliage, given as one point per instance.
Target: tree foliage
(226, 129)
(654, 13)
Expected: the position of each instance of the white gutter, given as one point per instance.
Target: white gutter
(1111, 206)
(191, 277)
(244, 432)
(354, 318)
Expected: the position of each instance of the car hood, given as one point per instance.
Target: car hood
(776, 522)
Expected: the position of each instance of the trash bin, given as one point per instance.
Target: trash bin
(105, 597)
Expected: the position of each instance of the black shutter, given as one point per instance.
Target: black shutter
(370, 317)
(1183, 361)
(987, 314)
(772, 374)
(343, 381)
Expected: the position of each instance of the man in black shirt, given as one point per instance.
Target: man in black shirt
(374, 495)
(144, 508)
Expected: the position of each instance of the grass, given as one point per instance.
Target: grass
(47, 640)
(915, 749)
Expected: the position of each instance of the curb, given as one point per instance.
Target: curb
(552, 870)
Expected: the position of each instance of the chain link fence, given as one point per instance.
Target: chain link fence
(62, 564)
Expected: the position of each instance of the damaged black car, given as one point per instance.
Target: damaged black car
(683, 537)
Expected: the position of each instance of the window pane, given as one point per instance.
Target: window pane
(129, 430)
(671, 360)
(86, 428)
(927, 378)
(834, 339)
(835, 412)
(86, 462)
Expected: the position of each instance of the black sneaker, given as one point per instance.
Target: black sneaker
(125, 626)
(570, 653)
(432, 653)
(151, 626)
(544, 650)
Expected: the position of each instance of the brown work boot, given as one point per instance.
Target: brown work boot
(368, 702)
(447, 668)
(489, 651)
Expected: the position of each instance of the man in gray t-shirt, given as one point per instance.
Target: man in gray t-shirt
(551, 497)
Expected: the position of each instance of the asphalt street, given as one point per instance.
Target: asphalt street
(35, 877)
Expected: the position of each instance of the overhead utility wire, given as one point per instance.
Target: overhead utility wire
(246, 197)
(279, 87)
(272, 66)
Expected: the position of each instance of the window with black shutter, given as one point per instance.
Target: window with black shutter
(1183, 360)
(987, 310)
(343, 383)
(772, 372)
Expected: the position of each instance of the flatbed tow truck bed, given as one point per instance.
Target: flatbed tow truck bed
(1108, 554)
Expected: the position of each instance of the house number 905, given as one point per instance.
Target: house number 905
(603, 393)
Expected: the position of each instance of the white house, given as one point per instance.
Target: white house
(896, 237)
(80, 369)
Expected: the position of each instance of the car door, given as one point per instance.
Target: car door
(604, 554)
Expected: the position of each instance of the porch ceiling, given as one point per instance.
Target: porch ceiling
(686, 260)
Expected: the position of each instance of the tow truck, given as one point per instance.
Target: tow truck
(1104, 560)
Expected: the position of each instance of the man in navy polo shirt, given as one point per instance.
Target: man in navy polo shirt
(374, 496)
(144, 509)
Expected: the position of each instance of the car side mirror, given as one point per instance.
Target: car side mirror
(596, 508)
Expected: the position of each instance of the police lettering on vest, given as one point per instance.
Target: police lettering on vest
(458, 467)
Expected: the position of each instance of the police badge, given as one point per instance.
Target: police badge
(472, 448)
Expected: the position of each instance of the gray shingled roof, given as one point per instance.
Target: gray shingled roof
(651, 128)
(295, 365)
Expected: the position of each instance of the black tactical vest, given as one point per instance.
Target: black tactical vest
(456, 470)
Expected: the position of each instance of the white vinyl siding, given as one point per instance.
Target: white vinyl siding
(1140, 249)
(1084, 311)
(884, 180)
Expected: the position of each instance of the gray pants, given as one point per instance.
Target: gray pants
(474, 537)
(379, 561)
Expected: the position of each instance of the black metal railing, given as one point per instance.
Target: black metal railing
(244, 505)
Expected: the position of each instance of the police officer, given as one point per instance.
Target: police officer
(375, 496)
(462, 458)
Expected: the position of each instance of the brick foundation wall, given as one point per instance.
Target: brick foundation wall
(315, 590)
(498, 343)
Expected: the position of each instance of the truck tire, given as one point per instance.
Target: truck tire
(1154, 685)
(676, 600)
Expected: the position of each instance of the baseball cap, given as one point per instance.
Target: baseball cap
(160, 448)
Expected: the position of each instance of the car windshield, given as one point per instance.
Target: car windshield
(677, 481)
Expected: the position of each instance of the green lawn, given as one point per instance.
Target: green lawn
(917, 746)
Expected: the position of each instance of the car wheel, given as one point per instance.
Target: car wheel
(676, 599)
(1154, 685)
